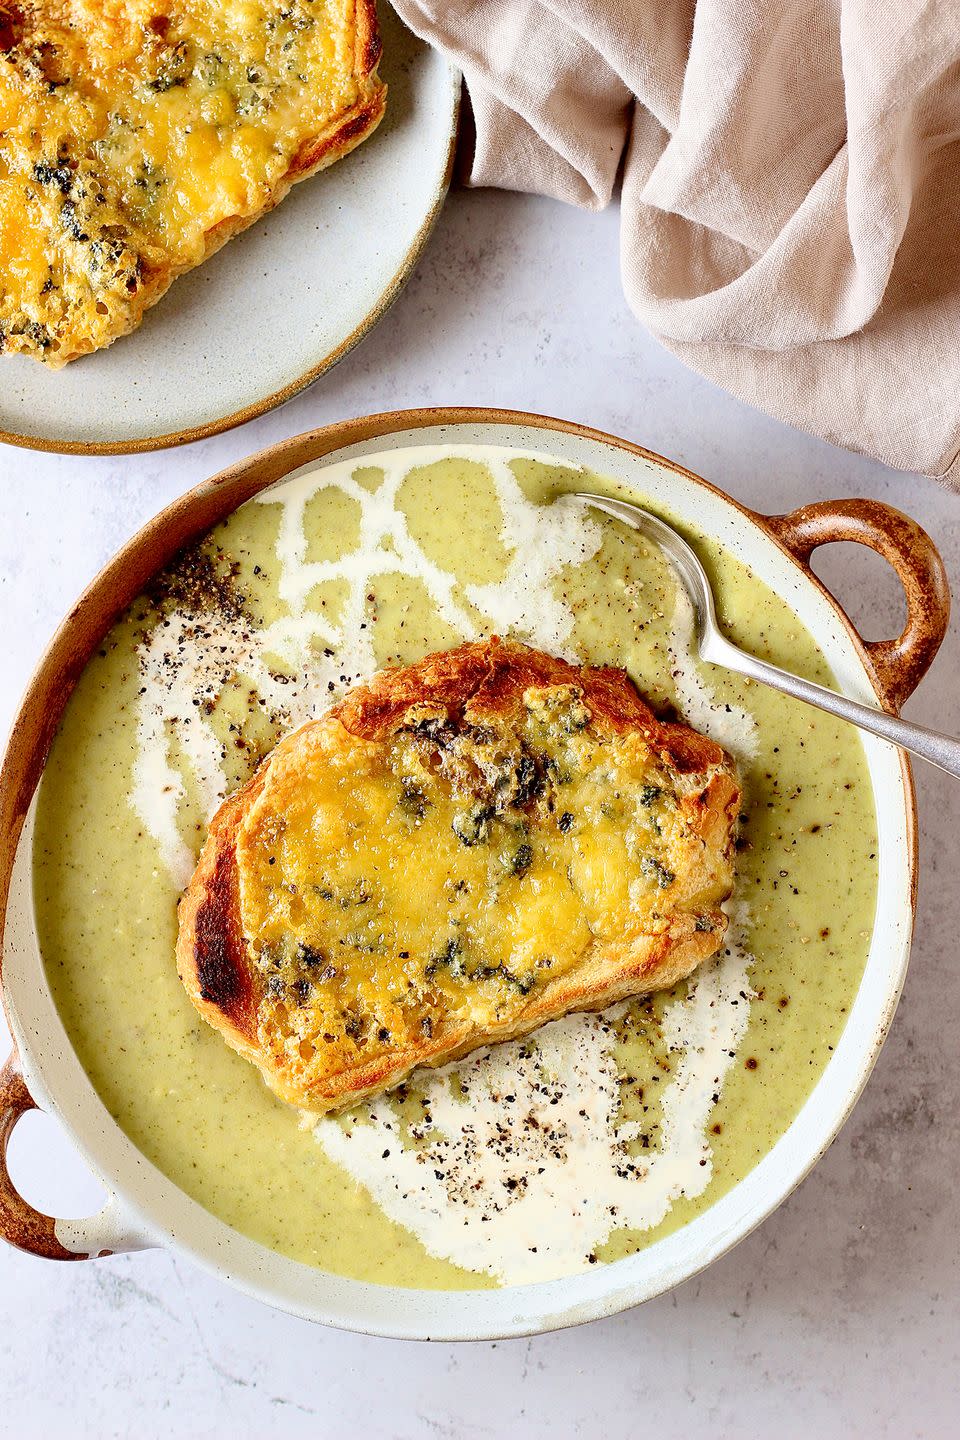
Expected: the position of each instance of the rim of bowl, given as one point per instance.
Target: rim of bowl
(613, 1296)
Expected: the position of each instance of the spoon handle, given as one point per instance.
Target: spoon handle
(941, 750)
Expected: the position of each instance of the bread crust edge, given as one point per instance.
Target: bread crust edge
(210, 908)
(322, 150)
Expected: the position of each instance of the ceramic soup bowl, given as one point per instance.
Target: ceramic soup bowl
(146, 1209)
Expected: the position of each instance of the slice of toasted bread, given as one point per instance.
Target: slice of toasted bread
(453, 855)
(138, 137)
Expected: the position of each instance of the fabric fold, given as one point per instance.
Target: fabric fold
(790, 203)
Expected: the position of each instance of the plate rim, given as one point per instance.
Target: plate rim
(175, 438)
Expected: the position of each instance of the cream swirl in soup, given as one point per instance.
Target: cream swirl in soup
(599, 1133)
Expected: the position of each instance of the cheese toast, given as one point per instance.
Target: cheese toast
(453, 855)
(138, 136)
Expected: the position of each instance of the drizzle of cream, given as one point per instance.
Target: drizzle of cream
(528, 1190)
(522, 602)
(175, 669)
(570, 1187)
(730, 725)
(541, 541)
(182, 665)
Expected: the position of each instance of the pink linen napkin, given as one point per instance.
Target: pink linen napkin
(790, 187)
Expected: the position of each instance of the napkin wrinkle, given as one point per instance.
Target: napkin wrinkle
(789, 185)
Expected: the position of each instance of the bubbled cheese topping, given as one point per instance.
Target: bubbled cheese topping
(131, 129)
(446, 876)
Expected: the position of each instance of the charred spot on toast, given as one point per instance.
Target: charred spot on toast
(220, 965)
(11, 28)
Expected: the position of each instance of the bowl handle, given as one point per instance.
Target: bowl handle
(900, 664)
(105, 1233)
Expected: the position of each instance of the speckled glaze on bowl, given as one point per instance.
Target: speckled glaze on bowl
(146, 1209)
(274, 309)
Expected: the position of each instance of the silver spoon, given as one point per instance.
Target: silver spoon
(713, 646)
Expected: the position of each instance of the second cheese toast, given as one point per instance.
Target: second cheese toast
(137, 137)
(455, 854)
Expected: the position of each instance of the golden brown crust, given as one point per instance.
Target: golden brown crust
(491, 676)
(211, 953)
(322, 150)
(369, 45)
(315, 155)
(480, 682)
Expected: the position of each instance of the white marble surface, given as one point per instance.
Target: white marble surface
(841, 1315)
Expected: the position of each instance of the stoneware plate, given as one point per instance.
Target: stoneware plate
(277, 306)
(145, 1209)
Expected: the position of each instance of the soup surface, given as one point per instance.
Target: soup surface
(598, 1134)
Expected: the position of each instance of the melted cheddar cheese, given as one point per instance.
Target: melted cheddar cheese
(391, 890)
(136, 135)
